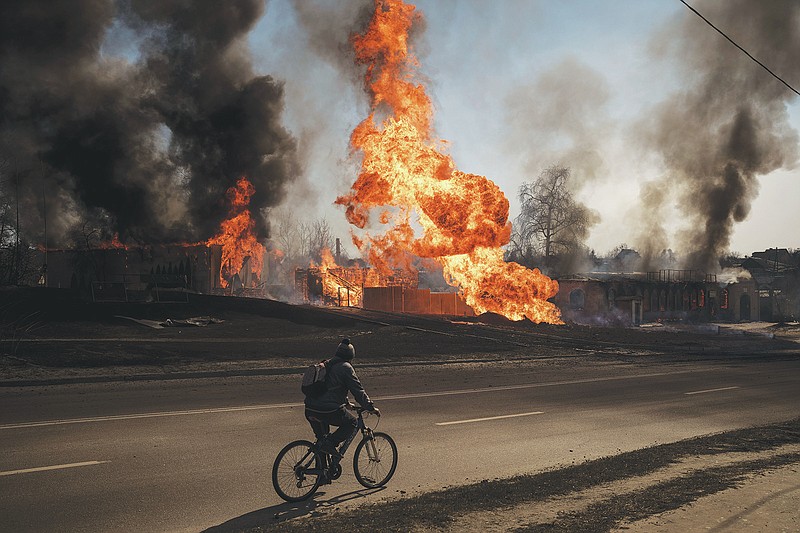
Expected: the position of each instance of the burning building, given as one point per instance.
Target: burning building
(141, 143)
(331, 284)
(150, 273)
(231, 262)
(367, 287)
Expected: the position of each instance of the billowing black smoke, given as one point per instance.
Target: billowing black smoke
(728, 126)
(144, 141)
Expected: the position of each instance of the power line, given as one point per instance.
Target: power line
(740, 48)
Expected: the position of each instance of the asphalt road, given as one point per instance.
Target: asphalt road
(188, 455)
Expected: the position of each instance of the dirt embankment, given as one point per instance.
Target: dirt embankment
(46, 333)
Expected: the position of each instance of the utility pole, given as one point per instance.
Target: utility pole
(44, 209)
(17, 258)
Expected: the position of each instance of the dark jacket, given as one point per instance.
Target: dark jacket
(341, 379)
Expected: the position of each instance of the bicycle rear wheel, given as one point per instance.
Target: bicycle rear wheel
(375, 460)
(297, 471)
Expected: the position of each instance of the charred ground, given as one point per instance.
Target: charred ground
(47, 332)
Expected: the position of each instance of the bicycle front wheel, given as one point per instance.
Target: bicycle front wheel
(375, 460)
(297, 471)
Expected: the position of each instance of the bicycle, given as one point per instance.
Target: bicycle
(301, 466)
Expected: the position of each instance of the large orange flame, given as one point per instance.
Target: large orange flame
(463, 218)
(237, 236)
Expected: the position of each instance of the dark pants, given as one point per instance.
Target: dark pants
(321, 424)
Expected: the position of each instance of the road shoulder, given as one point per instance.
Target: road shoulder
(631, 490)
(768, 501)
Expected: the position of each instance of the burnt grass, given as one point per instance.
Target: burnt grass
(435, 510)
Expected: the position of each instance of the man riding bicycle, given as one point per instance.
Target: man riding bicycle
(330, 408)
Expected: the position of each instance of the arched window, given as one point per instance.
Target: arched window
(577, 299)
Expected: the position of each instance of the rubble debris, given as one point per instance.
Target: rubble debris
(200, 321)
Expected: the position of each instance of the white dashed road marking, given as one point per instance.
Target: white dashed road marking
(488, 418)
(145, 415)
(136, 416)
(53, 467)
(709, 390)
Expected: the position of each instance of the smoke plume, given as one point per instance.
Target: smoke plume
(561, 119)
(559, 122)
(728, 126)
(146, 140)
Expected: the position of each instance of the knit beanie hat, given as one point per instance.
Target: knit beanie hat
(345, 350)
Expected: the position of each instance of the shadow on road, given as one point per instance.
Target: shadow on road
(288, 511)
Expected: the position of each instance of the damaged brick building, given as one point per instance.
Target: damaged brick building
(146, 273)
(765, 286)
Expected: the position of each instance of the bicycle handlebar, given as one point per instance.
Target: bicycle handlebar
(359, 409)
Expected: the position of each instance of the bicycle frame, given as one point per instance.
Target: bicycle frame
(306, 467)
(360, 427)
(367, 434)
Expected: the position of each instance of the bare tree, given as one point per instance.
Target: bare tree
(88, 261)
(320, 237)
(17, 255)
(300, 241)
(304, 238)
(286, 231)
(518, 250)
(6, 223)
(550, 222)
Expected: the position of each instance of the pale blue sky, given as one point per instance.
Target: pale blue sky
(476, 57)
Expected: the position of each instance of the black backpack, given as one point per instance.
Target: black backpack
(315, 379)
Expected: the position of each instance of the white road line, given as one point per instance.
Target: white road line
(534, 385)
(136, 416)
(145, 415)
(53, 467)
(709, 390)
(117, 339)
(488, 418)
